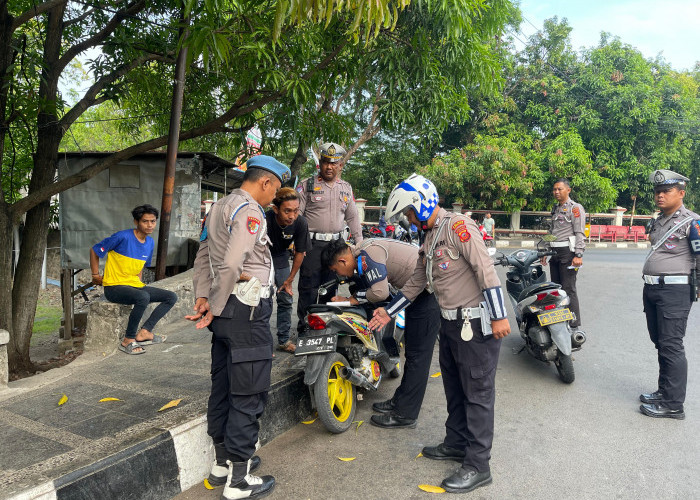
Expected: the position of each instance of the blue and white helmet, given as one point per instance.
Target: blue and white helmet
(416, 192)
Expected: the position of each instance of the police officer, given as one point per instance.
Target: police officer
(234, 246)
(568, 225)
(454, 262)
(381, 265)
(670, 274)
(328, 203)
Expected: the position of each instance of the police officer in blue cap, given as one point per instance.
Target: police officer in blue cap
(670, 274)
(233, 278)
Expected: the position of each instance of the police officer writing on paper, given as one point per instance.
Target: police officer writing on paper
(285, 226)
(234, 245)
(327, 203)
(380, 266)
(670, 286)
(455, 264)
(568, 225)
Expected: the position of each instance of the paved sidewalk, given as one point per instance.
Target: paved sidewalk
(532, 243)
(127, 448)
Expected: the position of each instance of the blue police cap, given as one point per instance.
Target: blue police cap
(280, 170)
(667, 178)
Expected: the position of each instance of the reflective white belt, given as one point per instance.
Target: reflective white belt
(324, 236)
(666, 280)
(467, 312)
(265, 291)
(558, 244)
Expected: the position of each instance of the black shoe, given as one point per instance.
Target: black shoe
(383, 406)
(443, 452)
(392, 421)
(653, 397)
(242, 484)
(658, 410)
(466, 480)
(219, 472)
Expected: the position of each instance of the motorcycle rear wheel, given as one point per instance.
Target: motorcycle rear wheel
(335, 397)
(565, 367)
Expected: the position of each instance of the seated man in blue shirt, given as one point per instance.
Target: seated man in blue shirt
(128, 252)
(284, 227)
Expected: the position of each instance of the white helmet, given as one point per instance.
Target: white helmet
(416, 192)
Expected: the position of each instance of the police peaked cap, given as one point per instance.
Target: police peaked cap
(280, 170)
(332, 152)
(667, 178)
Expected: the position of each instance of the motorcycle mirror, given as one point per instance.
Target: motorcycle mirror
(492, 251)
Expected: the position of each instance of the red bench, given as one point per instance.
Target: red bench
(614, 233)
(594, 234)
(636, 233)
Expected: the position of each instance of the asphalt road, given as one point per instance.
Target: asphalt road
(553, 441)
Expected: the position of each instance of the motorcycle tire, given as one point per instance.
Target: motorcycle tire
(565, 367)
(335, 397)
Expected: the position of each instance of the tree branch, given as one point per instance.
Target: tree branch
(89, 99)
(34, 11)
(78, 19)
(101, 35)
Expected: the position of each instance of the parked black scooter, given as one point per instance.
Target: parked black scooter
(540, 309)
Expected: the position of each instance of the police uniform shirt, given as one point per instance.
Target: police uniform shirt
(569, 219)
(282, 237)
(328, 206)
(234, 240)
(674, 256)
(382, 262)
(462, 268)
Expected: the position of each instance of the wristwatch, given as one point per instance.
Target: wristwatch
(578, 254)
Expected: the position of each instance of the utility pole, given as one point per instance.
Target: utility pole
(171, 154)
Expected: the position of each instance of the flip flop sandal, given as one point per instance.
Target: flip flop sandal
(157, 339)
(129, 348)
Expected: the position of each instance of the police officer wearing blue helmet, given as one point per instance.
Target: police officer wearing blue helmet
(454, 264)
(670, 287)
(233, 284)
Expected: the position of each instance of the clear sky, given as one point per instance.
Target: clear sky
(669, 27)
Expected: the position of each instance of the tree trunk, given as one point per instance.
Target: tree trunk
(27, 282)
(299, 159)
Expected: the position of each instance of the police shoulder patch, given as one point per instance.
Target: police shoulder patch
(460, 229)
(253, 225)
(576, 212)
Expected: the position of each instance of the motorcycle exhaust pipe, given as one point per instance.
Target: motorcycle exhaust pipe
(356, 378)
(578, 338)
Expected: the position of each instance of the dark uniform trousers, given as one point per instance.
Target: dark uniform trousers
(422, 327)
(667, 308)
(241, 360)
(558, 267)
(311, 275)
(469, 376)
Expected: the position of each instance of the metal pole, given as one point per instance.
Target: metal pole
(171, 156)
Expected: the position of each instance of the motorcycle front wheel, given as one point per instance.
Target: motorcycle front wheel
(335, 397)
(565, 367)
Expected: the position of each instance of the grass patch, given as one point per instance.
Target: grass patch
(46, 322)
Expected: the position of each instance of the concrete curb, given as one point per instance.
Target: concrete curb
(169, 463)
(533, 244)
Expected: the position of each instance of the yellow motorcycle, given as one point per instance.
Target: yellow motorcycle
(343, 356)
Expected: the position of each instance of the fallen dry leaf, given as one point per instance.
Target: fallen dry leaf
(307, 422)
(208, 485)
(346, 459)
(63, 400)
(171, 404)
(431, 489)
(419, 455)
(109, 399)
(436, 374)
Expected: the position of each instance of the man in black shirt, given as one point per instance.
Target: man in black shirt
(284, 227)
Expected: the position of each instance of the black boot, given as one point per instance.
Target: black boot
(241, 484)
(220, 468)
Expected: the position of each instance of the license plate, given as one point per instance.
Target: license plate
(556, 316)
(314, 344)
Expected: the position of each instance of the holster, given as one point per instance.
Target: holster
(249, 292)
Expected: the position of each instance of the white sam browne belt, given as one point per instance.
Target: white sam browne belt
(666, 280)
(463, 313)
(324, 236)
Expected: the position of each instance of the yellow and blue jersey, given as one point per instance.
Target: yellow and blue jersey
(126, 257)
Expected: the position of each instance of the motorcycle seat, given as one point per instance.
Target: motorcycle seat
(317, 308)
(536, 288)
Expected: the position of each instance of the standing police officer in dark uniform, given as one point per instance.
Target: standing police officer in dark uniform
(455, 264)
(233, 277)
(568, 226)
(670, 274)
(328, 203)
(382, 264)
